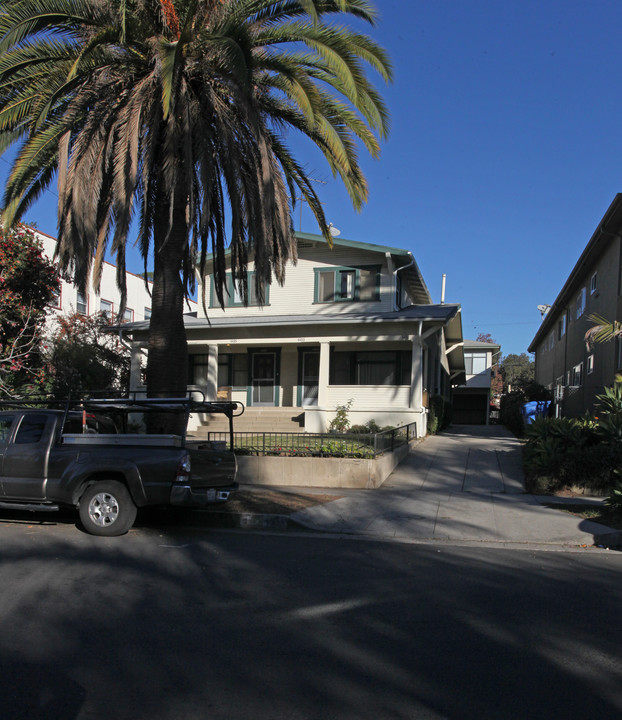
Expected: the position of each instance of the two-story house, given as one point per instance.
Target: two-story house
(471, 401)
(352, 323)
(572, 370)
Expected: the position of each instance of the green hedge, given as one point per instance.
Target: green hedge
(439, 414)
(584, 452)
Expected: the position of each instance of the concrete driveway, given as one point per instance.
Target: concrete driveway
(464, 485)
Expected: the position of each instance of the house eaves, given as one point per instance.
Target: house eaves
(478, 345)
(442, 315)
(609, 227)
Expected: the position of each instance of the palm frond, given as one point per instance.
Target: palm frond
(603, 330)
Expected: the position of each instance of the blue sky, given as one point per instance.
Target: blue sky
(505, 151)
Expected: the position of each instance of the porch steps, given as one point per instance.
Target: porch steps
(256, 419)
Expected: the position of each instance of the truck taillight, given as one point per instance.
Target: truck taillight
(183, 469)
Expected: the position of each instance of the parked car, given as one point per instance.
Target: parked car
(52, 458)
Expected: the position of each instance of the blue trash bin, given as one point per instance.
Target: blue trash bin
(535, 409)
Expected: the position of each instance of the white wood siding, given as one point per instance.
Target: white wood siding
(367, 397)
(296, 297)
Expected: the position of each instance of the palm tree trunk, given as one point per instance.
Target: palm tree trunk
(167, 362)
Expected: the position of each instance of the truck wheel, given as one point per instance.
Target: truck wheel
(106, 508)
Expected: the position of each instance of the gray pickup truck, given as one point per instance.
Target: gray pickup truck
(52, 458)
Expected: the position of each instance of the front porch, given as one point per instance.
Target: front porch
(293, 373)
(293, 387)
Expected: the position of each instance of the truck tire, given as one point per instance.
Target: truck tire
(106, 508)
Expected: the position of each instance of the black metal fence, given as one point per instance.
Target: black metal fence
(368, 445)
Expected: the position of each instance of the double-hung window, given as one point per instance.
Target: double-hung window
(577, 374)
(106, 307)
(81, 303)
(55, 300)
(342, 284)
(474, 363)
(232, 369)
(593, 283)
(233, 294)
(580, 303)
(198, 368)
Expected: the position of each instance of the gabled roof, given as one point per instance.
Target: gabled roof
(344, 242)
(402, 260)
(610, 227)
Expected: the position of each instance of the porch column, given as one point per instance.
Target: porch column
(211, 389)
(416, 383)
(322, 386)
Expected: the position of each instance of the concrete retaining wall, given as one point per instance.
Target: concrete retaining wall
(318, 471)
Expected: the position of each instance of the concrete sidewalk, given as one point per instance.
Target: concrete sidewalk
(466, 486)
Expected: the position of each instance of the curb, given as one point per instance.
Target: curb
(266, 521)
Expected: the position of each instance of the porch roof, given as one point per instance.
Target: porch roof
(430, 314)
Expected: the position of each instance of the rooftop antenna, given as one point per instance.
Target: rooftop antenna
(544, 309)
(303, 200)
(334, 232)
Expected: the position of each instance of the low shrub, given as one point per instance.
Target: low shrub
(565, 452)
(371, 427)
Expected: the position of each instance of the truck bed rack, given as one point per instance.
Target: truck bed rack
(135, 402)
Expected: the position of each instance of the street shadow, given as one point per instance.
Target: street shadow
(38, 691)
(171, 623)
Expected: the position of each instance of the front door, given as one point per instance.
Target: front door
(310, 377)
(263, 378)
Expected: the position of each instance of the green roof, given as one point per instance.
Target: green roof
(313, 237)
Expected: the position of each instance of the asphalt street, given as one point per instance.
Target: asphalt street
(175, 623)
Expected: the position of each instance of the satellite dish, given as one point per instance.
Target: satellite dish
(544, 309)
(334, 232)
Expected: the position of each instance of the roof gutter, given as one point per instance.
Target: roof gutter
(396, 306)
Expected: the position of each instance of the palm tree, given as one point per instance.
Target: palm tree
(176, 113)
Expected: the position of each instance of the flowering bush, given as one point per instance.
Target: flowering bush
(28, 284)
(81, 358)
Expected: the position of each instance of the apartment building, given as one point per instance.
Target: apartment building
(574, 371)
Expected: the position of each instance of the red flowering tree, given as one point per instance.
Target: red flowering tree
(28, 283)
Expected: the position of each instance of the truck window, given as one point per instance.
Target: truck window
(6, 421)
(31, 429)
